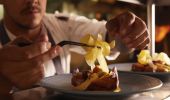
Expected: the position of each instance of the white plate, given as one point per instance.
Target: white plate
(129, 84)
(126, 67)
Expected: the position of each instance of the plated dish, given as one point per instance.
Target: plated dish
(158, 62)
(99, 77)
(129, 83)
(99, 81)
(127, 68)
(96, 80)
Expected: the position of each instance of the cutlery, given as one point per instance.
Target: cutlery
(62, 43)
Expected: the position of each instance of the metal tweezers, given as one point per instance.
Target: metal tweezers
(62, 43)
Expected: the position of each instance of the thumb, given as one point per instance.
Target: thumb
(43, 38)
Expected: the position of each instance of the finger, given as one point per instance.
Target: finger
(135, 42)
(137, 29)
(9, 67)
(127, 40)
(121, 23)
(28, 78)
(143, 45)
(43, 38)
(36, 49)
(10, 52)
(146, 47)
(125, 22)
(15, 53)
(50, 54)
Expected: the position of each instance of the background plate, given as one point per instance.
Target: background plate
(129, 84)
(126, 68)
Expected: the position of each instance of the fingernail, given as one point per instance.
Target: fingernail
(58, 48)
(48, 45)
(54, 51)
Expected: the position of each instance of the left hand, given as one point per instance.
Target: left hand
(131, 29)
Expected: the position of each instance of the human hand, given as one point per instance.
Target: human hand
(130, 29)
(23, 66)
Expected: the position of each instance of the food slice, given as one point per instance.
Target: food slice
(99, 78)
(87, 82)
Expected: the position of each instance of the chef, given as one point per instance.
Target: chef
(25, 21)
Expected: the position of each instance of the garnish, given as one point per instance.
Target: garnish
(96, 53)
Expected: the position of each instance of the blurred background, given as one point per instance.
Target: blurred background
(106, 9)
(98, 9)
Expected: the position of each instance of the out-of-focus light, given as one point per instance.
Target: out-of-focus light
(131, 1)
(94, 0)
(110, 1)
(73, 14)
(1, 11)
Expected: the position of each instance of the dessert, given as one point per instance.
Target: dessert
(159, 62)
(96, 80)
(99, 78)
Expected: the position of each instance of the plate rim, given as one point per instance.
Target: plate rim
(104, 93)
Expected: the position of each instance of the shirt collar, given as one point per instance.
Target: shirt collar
(13, 37)
(9, 33)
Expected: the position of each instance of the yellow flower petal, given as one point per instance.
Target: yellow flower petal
(112, 44)
(88, 39)
(105, 47)
(102, 62)
(144, 57)
(99, 37)
(98, 54)
(91, 57)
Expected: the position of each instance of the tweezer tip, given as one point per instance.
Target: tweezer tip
(98, 47)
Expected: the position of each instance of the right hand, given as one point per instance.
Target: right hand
(23, 66)
(131, 30)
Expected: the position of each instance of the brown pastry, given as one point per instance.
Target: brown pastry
(96, 80)
(158, 67)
